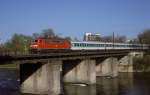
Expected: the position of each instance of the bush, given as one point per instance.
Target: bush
(142, 64)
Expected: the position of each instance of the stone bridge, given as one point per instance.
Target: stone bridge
(44, 73)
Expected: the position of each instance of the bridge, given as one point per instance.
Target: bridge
(42, 73)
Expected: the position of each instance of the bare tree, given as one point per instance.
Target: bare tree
(107, 39)
(120, 39)
(48, 33)
(144, 37)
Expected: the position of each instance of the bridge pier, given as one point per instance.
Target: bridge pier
(108, 67)
(44, 80)
(126, 62)
(82, 71)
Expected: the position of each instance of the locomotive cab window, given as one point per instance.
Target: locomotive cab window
(35, 40)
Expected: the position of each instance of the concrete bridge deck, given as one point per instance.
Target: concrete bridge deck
(80, 54)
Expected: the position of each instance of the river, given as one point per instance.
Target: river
(9, 82)
(124, 84)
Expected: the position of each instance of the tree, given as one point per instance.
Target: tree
(120, 39)
(117, 39)
(144, 37)
(68, 38)
(133, 41)
(18, 42)
(107, 39)
(48, 33)
(76, 39)
(35, 35)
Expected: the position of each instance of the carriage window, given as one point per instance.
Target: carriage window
(97, 45)
(77, 44)
(35, 40)
(73, 44)
(82, 44)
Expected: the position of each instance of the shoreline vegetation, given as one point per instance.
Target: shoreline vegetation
(142, 64)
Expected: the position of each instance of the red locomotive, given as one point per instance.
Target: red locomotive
(44, 45)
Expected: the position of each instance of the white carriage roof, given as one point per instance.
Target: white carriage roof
(93, 42)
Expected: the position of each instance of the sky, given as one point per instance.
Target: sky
(74, 17)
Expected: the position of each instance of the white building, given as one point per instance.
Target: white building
(91, 37)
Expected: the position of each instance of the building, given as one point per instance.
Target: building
(92, 37)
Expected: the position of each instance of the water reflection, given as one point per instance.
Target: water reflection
(121, 85)
(107, 86)
(125, 84)
(141, 84)
(80, 90)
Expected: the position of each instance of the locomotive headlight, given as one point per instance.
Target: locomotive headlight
(34, 46)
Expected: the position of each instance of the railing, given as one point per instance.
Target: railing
(7, 52)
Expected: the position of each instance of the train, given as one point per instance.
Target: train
(55, 44)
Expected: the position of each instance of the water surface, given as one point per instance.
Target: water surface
(9, 82)
(124, 84)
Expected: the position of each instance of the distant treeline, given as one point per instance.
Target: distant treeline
(20, 42)
(142, 64)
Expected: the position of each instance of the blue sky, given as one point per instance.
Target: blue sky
(74, 17)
